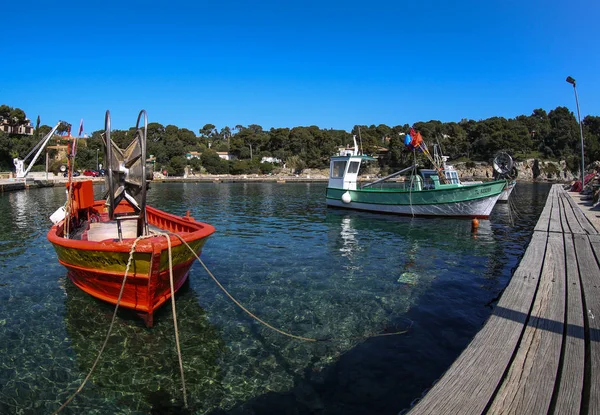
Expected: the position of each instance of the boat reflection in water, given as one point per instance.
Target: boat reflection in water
(410, 259)
(139, 368)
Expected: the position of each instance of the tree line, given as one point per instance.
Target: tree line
(544, 135)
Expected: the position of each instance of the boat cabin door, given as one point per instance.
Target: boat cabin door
(343, 172)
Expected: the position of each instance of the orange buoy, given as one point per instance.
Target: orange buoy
(474, 225)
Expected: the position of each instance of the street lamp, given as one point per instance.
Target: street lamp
(97, 160)
(572, 82)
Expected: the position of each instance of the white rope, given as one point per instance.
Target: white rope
(131, 252)
(166, 235)
(307, 339)
(114, 317)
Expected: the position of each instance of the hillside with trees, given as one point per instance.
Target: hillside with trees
(541, 135)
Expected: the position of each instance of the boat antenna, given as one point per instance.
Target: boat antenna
(437, 139)
(360, 141)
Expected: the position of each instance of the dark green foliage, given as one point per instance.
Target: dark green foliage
(266, 168)
(213, 163)
(554, 135)
(177, 165)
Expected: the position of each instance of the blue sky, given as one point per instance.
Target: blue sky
(333, 64)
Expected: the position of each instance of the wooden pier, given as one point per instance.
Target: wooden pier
(539, 352)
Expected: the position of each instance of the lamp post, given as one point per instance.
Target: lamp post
(572, 82)
(97, 160)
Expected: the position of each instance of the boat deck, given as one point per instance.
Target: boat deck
(539, 352)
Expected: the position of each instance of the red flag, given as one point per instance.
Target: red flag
(80, 127)
(417, 139)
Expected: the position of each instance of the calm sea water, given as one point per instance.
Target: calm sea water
(315, 272)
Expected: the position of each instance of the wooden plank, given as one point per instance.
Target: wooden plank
(584, 222)
(568, 399)
(570, 220)
(589, 271)
(544, 219)
(529, 384)
(595, 241)
(469, 384)
(555, 222)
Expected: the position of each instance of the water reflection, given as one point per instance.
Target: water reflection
(348, 235)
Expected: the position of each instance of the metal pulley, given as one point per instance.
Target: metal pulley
(126, 175)
(504, 166)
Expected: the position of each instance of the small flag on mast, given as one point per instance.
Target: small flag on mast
(80, 127)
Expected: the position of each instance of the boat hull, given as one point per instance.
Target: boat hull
(473, 201)
(506, 193)
(98, 267)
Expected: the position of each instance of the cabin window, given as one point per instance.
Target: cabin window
(337, 169)
(452, 177)
(428, 183)
(354, 165)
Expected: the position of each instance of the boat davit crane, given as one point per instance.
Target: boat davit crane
(19, 163)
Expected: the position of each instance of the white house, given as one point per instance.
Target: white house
(270, 160)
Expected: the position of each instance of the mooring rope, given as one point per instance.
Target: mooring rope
(413, 177)
(109, 329)
(114, 317)
(175, 318)
(294, 336)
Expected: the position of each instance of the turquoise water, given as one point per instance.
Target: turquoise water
(315, 272)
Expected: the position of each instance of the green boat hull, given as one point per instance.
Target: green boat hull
(474, 201)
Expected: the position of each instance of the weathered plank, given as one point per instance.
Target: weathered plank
(529, 384)
(469, 384)
(595, 241)
(584, 222)
(555, 224)
(568, 399)
(569, 219)
(589, 272)
(544, 220)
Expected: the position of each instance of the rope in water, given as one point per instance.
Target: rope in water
(114, 317)
(175, 318)
(308, 339)
(294, 336)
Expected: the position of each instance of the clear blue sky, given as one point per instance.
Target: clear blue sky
(282, 63)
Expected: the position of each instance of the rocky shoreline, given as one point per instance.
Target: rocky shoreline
(528, 171)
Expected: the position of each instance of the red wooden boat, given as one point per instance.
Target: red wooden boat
(94, 238)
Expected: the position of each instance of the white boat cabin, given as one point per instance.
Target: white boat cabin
(343, 169)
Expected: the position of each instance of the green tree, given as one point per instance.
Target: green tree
(564, 138)
(207, 131)
(177, 165)
(213, 163)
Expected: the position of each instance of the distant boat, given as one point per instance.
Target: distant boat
(93, 238)
(506, 193)
(431, 192)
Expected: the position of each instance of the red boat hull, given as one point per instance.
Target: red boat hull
(98, 267)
